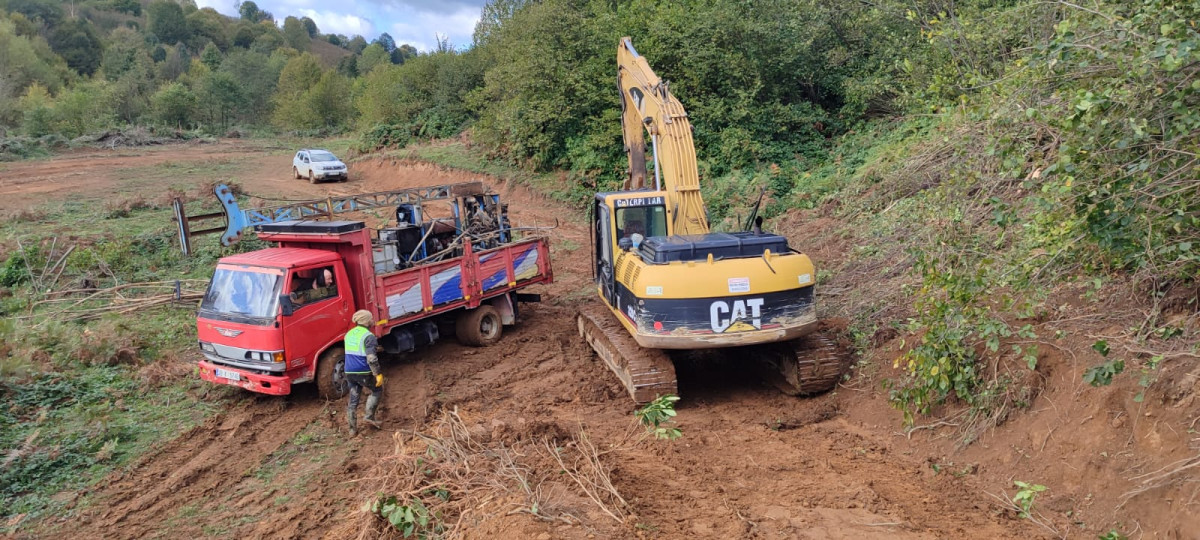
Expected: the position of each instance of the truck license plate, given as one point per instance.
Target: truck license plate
(226, 374)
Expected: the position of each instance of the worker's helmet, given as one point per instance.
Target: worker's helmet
(362, 317)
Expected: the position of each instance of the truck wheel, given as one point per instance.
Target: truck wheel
(479, 327)
(331, 377)
(295, 173)
(312, 178)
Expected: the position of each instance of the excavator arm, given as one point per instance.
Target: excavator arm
(647, 106)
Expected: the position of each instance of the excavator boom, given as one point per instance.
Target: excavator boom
(648, 106)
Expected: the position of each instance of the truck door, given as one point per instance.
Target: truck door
(604, 254)
(321, 295)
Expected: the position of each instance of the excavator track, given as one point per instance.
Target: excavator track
(810, 365)
(645, 373)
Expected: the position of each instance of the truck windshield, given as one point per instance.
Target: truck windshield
(241, 294)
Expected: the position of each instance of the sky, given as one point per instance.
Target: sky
(415, 22)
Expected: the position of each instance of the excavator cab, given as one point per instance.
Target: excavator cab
(616, 218)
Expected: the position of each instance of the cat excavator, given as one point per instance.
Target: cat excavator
(667, 282)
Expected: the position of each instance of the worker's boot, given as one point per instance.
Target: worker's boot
(372, 404)
(352, 422)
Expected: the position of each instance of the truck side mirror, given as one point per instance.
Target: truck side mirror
(286, 307)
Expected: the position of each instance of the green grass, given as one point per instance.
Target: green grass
(61, 431)
(68, 417)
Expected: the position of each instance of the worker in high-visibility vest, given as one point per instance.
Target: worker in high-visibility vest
(362, 368)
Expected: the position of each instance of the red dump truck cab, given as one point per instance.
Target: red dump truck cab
(275, 317)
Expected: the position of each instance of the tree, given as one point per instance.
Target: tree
(257, 75)
(295, 35)
(158, 54)
(329, 101)
(176, 64)
(38, 111)
(167, 22)
(300, 74)
(243, 37)
(403, 53)
(22, 25)
(207, 24)
(356, 44)
(249, 11)
(374, 55)
(47, 11)
(124, 46)
(310, 26)
(222, 96)
(211, 56)
(85, 107)
(132, 7)
(269, 39)
(131, 93)
(25, 60)
(494, 14)
(175, 105)
(348, 66)
(76, 41)
(385, 40)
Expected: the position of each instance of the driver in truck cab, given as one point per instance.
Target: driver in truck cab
(305, 290)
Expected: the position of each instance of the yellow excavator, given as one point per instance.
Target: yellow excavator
(668, 283)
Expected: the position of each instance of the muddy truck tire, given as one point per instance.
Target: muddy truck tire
(479, 327)
(331, 378)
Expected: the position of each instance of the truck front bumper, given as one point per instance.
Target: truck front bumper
(277, 385)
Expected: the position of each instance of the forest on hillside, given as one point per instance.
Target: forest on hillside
(1028, 143)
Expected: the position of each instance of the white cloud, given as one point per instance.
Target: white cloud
(415, 22)
(437, 6)
(421, 29)
(222, 6)
(339, 23)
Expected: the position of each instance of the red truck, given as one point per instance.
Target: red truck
(277, 316)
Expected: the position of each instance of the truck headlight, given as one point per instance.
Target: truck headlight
(207, 347)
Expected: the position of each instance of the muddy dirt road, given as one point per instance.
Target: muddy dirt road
(751, 463)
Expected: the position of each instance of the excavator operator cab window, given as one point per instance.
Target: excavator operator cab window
(644, 220)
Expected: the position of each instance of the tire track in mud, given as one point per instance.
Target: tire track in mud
(205, 460)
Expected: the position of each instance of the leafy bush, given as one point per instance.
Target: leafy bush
(15, 270)
(383, 136)
(1102, 374)
(657, 416)
(17, 148)
(408, 517)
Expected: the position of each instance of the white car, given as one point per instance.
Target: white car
(316, 164)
